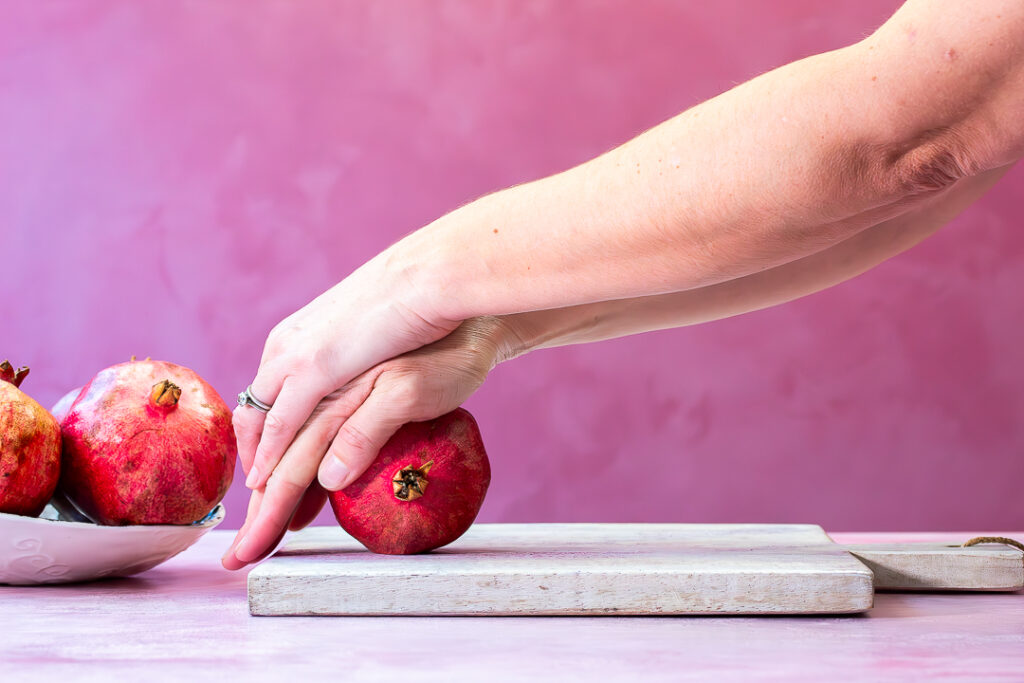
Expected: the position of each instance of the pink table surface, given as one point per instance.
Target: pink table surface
(188, 620)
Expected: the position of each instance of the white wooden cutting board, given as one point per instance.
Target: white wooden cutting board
(570, 569)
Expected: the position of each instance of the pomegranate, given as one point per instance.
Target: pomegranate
(29, 448)
(147, 442)
(422, 492)
(62, 407)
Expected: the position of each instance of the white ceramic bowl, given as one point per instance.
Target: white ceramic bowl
(49, 549)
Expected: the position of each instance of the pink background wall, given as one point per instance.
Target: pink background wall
(177, 177)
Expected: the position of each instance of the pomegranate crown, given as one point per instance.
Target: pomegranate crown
(9, 374)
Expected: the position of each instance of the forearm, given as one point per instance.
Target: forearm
(523, 332)
(776, 169)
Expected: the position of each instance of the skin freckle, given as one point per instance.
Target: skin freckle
(874, 78)
(495, 231)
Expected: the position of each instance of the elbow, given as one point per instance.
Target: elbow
(931, 164)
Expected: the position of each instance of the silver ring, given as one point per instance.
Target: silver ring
(247, 399)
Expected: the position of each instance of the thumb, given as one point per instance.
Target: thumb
(360, 439)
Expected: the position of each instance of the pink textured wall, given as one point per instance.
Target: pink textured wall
(176, 177)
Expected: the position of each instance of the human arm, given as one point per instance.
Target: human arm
(777, 169)
(534, 330)
(437, 378)
(782, 166)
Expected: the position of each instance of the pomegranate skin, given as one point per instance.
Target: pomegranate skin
(457, 479)
(63, 405)
(138, 454)
(29, 452)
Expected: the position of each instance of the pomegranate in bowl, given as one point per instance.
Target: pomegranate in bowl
(29, 448)
(147, 442)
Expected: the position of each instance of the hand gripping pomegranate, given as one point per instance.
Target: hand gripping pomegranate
(29, 448)
(422, 492)
(147, 442)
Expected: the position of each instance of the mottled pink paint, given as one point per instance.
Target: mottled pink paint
(188, 620)
(177, 177)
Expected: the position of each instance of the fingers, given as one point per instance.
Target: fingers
(248, 425)
(293, 406)
(229, 561)
(271, 547)
(286, 488)
(280, 499)
(287, 498)
(309, 507)
(355, 422)
(362, 436)
(312, 502)
(248, 421)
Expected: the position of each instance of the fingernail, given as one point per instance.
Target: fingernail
(229, 554)
(333, 473)
(253, 478)
(242, 551)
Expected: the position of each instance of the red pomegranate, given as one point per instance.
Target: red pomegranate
(422, 492)
(29, 448)
(147, 442)
(63, 405)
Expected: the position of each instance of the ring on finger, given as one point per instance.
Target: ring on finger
(247, 399)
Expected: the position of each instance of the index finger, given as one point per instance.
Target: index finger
(248, 421)
(286, 488)
(296, 402)
(229, 561)
(280, 499)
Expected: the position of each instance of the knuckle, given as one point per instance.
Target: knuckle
(284, 481)
(296, 361)
(321, 360)
(354, 438)
(274, 425)
(275, 340)
(282, 337)
(406, 392)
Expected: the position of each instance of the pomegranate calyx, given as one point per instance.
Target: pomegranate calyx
(165, 394)
(9, 374)
(411, 482)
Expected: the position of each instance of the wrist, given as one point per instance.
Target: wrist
(508, 336)
(414, 272)
(428, 271)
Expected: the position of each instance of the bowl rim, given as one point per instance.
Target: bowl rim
(212, 519)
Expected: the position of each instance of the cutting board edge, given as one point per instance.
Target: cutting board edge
(268, 600)
(937, 567)
(299, 542)
(839, 584)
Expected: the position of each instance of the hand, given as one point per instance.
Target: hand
(369, 317)
(348, 428)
